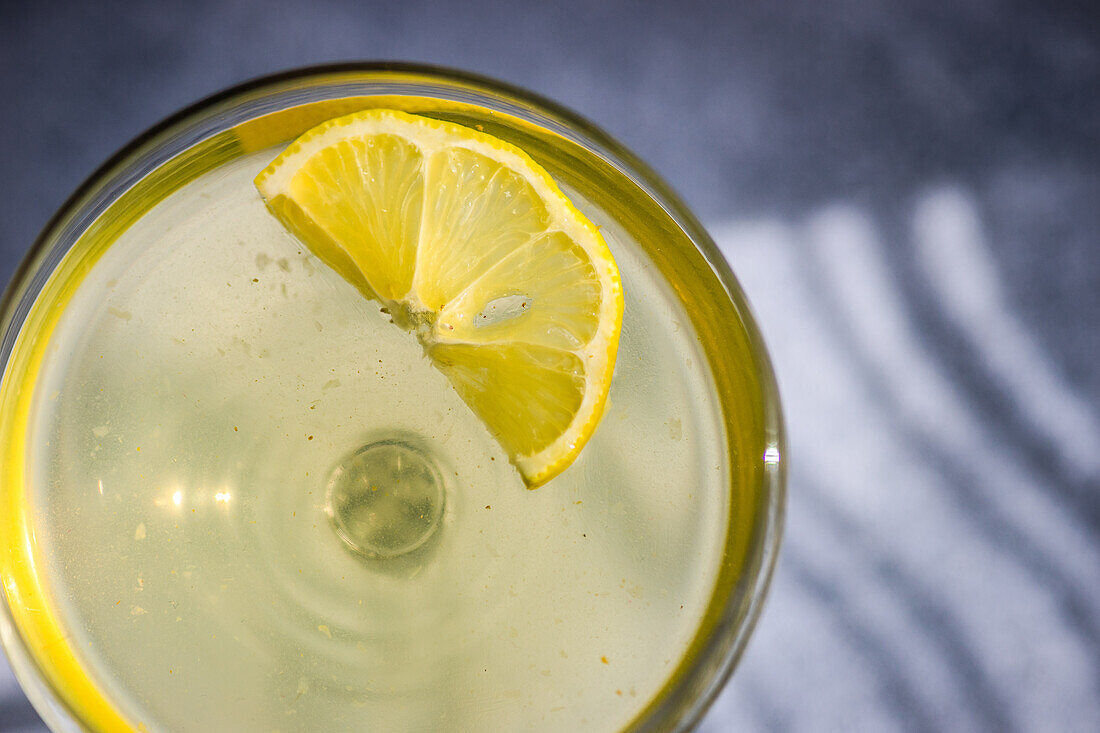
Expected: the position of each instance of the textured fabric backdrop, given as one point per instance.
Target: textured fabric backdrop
(910, 195)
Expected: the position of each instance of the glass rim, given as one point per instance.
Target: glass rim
(684, 698)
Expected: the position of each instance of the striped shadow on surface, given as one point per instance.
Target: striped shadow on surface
(933, 577)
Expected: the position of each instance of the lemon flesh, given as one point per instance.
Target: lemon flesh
(471, 245)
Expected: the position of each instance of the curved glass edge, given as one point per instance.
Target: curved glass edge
(46, 703)
(680, 708)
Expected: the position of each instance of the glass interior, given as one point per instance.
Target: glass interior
(274, 110)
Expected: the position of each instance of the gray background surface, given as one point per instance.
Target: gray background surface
(910, 194)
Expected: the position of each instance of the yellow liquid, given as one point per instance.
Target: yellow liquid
(193, 399)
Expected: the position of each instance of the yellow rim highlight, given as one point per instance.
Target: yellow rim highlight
(28, 600)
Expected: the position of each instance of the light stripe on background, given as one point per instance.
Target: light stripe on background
(930, 579)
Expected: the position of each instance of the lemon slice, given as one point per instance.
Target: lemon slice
(469, 244)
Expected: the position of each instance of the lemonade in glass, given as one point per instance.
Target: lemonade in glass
(380, 397)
